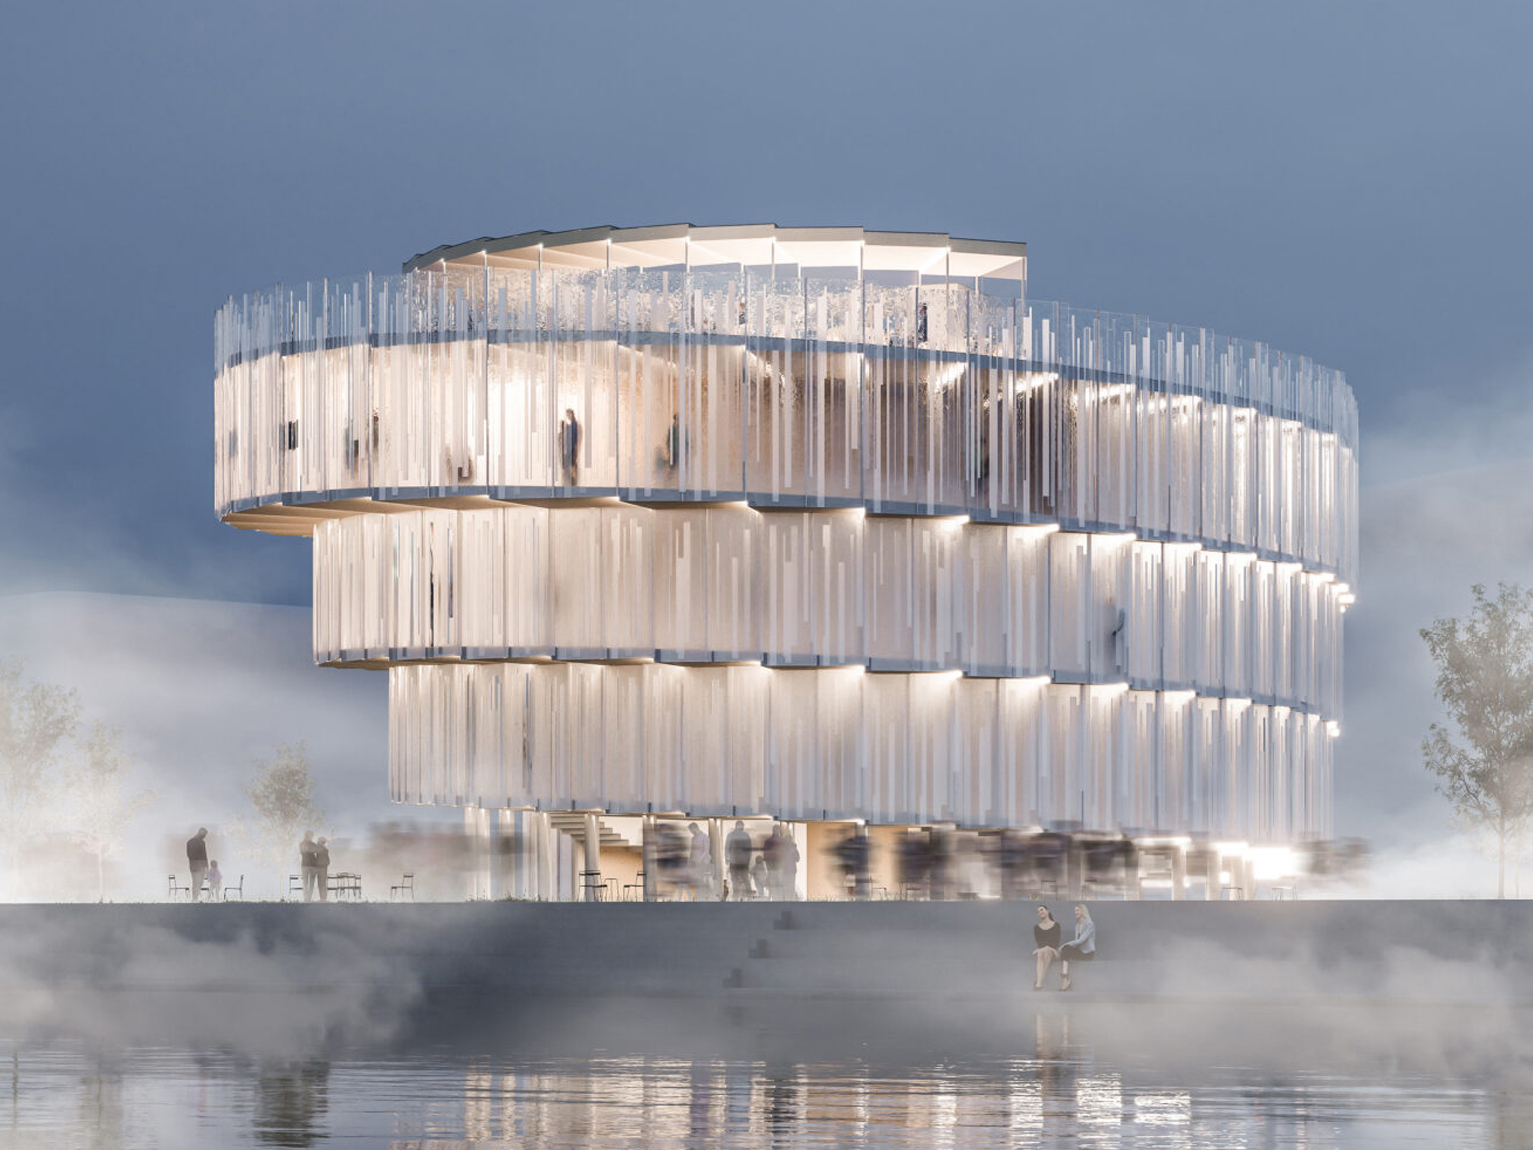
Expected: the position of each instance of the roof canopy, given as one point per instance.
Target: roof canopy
(926, 253)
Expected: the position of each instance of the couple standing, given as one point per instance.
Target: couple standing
(1046, 948)
(314, 858)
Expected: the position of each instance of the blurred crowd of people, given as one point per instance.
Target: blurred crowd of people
(749, 870)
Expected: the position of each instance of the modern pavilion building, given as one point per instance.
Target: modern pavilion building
(821, 525)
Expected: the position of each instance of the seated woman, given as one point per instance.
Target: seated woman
(1081, 948)
(1045, 945)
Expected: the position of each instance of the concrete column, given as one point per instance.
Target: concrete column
(495, 860)
(716, 853)
(1248, 880)
(547, 883)
(474, 872)
(1212, 893)
(515, 842)
(592, 838)
(648, 857)
(1178, 873)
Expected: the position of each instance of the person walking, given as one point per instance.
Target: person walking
(769, 869)
(737, 853)
(215, 882)
(307, 853)
(702, 863)
(322, 869)
(197, 860)
(787, 877)
(1081, 948)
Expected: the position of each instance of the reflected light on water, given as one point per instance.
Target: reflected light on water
(168, 1099)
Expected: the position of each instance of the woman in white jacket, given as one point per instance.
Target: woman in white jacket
(1081, 948)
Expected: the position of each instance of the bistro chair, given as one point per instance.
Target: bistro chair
(406, 886)
(233, 888)
(177, 889)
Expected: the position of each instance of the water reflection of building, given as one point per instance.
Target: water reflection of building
(702, 1105)
(818, 525)
(291, 1103)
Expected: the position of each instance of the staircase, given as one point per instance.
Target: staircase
(573, 823)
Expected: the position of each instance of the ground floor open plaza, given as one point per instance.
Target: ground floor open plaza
(586, 856)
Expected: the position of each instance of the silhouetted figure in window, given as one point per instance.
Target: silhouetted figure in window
(569, 447)
(308, 853)
(322, 869)
(921, 324)
(675, 445)
(737, 853)
(197, 859)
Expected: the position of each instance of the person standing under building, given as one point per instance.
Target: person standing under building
(786, 878)
(322, 869)
(197, 860)
(701, 863)
(737, 853)
(769, 868)
(307, 853)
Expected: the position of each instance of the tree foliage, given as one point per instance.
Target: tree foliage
(281, 795)
(98, 806)
(36, 721)
(1485, 681)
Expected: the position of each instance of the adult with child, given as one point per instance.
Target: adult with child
(1081, 948)
(1046, 932)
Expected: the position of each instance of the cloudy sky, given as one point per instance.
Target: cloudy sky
(1347, 181)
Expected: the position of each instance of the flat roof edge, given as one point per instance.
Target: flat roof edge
(658, 233)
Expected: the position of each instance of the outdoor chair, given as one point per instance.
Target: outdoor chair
(592, 886)
(295, 885)
(178, 889)
(406, 886)
(239, 889)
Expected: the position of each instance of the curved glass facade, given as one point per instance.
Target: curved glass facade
(726, 584)
(793, 391)
(812, 542)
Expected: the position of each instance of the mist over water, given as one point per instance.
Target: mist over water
(1053, 1091)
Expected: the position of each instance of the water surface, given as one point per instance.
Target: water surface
(64, 1096)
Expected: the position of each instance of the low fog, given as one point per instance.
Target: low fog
(203, 691)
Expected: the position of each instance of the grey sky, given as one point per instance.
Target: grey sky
(1347, 181)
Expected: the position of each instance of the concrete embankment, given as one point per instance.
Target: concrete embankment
(276, 973)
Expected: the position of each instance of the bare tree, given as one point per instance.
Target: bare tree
(96, 799)
(35, 721)
(282, 795)
(1485, 680)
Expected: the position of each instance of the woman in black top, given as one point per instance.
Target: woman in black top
(1045, 945)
